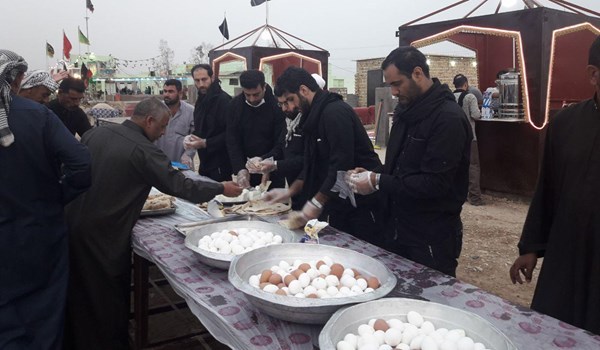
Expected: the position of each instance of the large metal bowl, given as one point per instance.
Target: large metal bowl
(221, 260)
(304, 310)
(347, 320)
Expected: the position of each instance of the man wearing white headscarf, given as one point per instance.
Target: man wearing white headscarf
(38, 85)
(43, 168)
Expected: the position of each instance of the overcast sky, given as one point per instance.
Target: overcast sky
(131, 29)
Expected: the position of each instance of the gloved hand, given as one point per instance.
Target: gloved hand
(267, 165)
(187, 160)
(231, 189)
(277, 195)
(252, 164)
(311, 211)
(243, 178)
(361, 183)
(193, 142)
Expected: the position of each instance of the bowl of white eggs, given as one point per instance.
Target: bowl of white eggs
(217, 244)
(404, 324)
(306, 283)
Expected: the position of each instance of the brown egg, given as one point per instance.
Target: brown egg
(280, 292)
(281, 285)
(296, 273)
(262, 285)
(288, 279)
(373, 282)
(359, 276)
(319, 263)
(381, 325)
(233, 233)
(265, 275)
(356, 272)
(312, 296)
(275, 279)
(304, 267)
(337, 270)
(322, 275)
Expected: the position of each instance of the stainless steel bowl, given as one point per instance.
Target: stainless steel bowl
(221, 260)
(347, 320)
(304, 310)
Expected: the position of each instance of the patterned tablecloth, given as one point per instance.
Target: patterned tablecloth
(231, 319)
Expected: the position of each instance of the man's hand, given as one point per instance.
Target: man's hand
(311, 211)
(57, 77)
(187, 160)
(253, 165)
(193, 142)
(267, 165)
(231, 189)
(243, 178)
(362, 182)
(524, 264)
(277, 195)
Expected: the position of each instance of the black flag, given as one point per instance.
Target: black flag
(223, 28)
(257, 2)
(89, 5)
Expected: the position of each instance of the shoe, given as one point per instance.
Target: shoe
(476, 203)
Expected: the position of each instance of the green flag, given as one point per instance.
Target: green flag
(82, 38)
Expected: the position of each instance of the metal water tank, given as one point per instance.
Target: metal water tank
(511, 105)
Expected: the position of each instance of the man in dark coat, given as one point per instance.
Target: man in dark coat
(563, 222)
(210, 125)
(43, 168)
(66, 106)
(254, 127)
(126, 164)
(426, 173)
(335, 140)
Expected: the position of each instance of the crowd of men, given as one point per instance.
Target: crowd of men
(68, 206)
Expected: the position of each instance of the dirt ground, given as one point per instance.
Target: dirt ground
(491, 233)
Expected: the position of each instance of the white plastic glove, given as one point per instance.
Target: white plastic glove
(252, 164)
(277, 195)
(243, 178)
(187, 160)
(267, 165)
(361, 183)
(193, 142)
(311, 211)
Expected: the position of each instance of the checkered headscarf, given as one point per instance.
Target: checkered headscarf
(38, 78)
(11, 65)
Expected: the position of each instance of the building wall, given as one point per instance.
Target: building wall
(442, 67)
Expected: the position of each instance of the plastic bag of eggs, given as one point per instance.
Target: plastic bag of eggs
(413, 333)
(314, 279)
(237, 241)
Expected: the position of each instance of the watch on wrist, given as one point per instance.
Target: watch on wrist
(377, 177)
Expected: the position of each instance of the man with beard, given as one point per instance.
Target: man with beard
(66, 106)
(210, 125)
(426, 173)
(254, 127)
(38, 85)
(180, 124)
(563, 222)
(335, 140)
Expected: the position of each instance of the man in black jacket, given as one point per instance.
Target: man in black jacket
(210, 125)
(66, 106)
(426, 172)
(335, 140)
(254, 127)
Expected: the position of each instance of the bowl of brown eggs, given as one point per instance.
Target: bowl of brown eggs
(307, 283)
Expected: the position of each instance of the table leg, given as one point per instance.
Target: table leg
(140, 301)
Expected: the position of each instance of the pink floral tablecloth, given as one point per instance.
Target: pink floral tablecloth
(231, 319)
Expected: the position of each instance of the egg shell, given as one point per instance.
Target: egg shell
(254, 280)
(277, 239)
(325, 269)
(270, 288)
(337, 270)
(373, 282)
(344, 290)
(453, 335)
(381, 325)
(322, 294)
(319, 263)
(348, 281)
(237, 249)
(362, 283)
(319, 283)
(380, 336)
(295, 287)
(312, 273)
(327, 260)
(275, 278)
(396, 323)
(448, 345)
(265, 275)
(289, 278)
(312, 296)
(343, 345)
(372, 322)
(296, 273)
(368, 290)
(281, 292)
(465, 343)
(332, 280)
(429, 343)
(416, 341)
(385, 347)
(280, 285)
(427, 327)
(332, 290)
(304, 267)
(402, 346)
(370, 346)
(442, 331)
(408, 335)
(415, 318)
(309, 290)
(351, 339)
(478, 346)
(304, 280)
(368, 340)
(393, 336)
(284, 264)
(365, 329)
(300, 295)
(348, 272)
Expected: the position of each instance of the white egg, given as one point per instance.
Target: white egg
(454, 335)
(368, 341)
(393, 336)
(226, 249)
(402, 346)
(414, 318)
(372, 322)
(268, 235)
(295, 287)
(442, 331)
(304, 280)
(478, 346)
(319, 283)
(348, 271)
(437, 337)
(356, 290)
(415, 343)
(465, 343)
(396, 323)
(242, 231)
(448, 345)
(213, 249)
(369, 346)
(254, 280)
(234, 241)
(327, 260)
(219, 243)
(227, 237)
(312, 272)
(332, 291)
(203, 246)
(385, 347)
(365, 329)
(362, 283)
(326, 270)
(380, 336)
(245, 241)
(429, 343)
(270, 288)
(427, 327)
(331, 280)
(322, 294)
(345, 290)
(343, 345)
(237, 249)
(300, 295)
(408, 335)
(286, 290)
(308, 290)
(274, 268)
(284, 264)
(215, 235)
(297, 263)
(368, 290)
(348, 281)
(351, 339)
